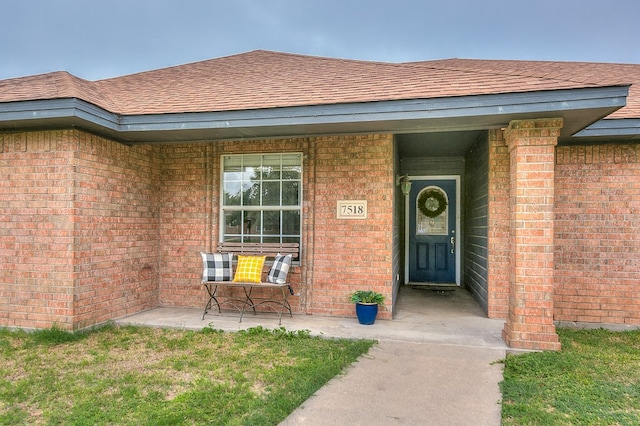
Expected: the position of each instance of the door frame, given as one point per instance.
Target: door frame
(459, 242)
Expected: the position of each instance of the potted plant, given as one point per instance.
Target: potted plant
(367, 302)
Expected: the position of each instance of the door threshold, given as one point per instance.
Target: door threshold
(433, 286)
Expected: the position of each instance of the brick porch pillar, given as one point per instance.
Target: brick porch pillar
(499, 212)
(529, 322)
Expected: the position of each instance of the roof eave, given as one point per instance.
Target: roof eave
(56, 113)
(579, 107)
(625, 129)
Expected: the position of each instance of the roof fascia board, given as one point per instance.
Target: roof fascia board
(611, 128)
(483, 108)
(58, 109)
(419, 109)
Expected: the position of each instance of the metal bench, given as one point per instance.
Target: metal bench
(279, 302)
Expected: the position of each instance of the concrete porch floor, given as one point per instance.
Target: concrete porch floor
(422, 315)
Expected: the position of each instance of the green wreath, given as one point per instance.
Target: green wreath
(432, 203)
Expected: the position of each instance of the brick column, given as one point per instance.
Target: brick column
(498, 226)
(529, 322)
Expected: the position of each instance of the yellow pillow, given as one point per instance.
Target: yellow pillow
(249, 269)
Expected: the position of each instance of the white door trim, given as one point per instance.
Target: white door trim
(459, 242)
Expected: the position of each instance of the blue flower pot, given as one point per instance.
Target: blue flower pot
(366, 313)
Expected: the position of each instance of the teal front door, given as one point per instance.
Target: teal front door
(432, 231)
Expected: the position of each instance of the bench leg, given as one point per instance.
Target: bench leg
(285, 303)
(211, 291)
(248, 302)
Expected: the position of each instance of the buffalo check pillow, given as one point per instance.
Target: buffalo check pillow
(279, 269)
(217, 266)
(249, 269)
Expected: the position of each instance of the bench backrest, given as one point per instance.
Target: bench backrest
(259, 249)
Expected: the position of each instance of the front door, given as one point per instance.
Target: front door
(432, 231)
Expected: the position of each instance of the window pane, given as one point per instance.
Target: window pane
(271, 223)
(271, 193)
(251, 223)
(291, 222)
(232, 179)
(251, 167)
(271, 167)
(291, 166)
(232, 163)
(271, 240)
(232, 223)
(290, 193)
(232, 193)
(252, 195)
(291, 240)
(251, 161)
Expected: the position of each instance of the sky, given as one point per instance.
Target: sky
(97, 39)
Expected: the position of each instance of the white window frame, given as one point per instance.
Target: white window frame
(223, 209)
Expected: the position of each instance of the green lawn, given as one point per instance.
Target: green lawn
(137, 375)
(593, 380)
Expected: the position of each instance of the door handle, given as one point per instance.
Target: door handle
(453, 245)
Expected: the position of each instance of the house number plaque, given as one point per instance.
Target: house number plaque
(352, 209)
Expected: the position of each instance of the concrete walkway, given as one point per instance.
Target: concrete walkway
(434, 363)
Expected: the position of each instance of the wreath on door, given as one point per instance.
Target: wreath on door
(432, 203)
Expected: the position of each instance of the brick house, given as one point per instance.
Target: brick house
(525, 186)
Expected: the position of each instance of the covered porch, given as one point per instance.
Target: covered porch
(497, 231)
(450, 317)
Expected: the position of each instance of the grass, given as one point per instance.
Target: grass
(593, 380)
(136, 375)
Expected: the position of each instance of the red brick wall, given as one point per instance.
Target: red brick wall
(351, 254)
(116, 229)
(186, 224)
(36, 230)
(79, 229)
(597, 224)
